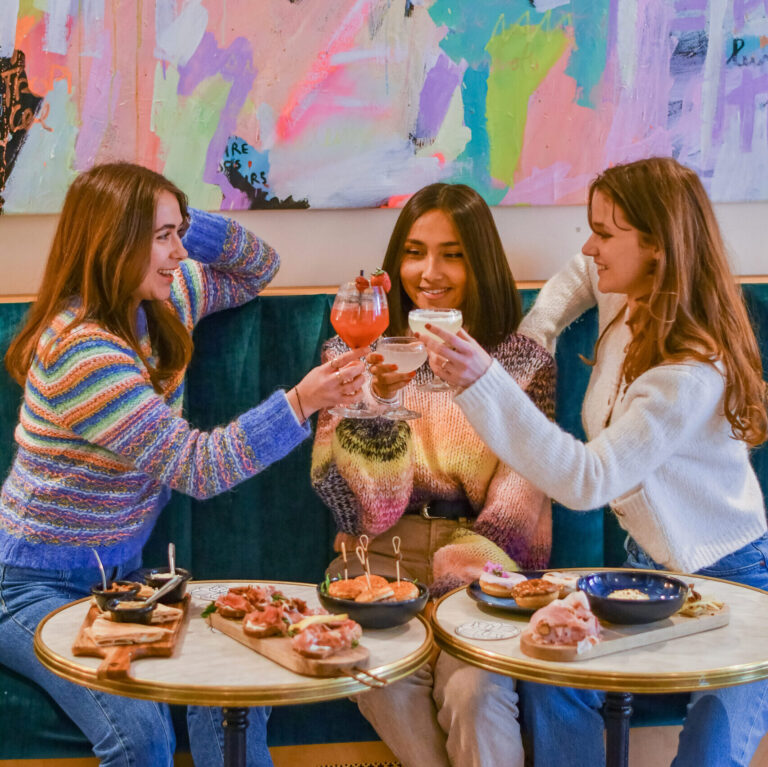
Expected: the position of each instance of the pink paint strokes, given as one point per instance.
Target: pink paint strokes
(345, 98)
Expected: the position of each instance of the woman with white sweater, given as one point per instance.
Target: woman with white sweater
(675, 400)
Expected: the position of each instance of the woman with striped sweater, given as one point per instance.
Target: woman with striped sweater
(101, 440)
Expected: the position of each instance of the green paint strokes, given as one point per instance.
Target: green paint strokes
(521, 57)
(32, 8)
(184, 151)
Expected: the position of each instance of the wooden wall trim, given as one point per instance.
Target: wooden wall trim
(311, 290)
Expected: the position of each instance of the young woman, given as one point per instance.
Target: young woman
(101, 440)
(675, 400)
(433, 483)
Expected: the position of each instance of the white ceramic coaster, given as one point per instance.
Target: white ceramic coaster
(486, 630)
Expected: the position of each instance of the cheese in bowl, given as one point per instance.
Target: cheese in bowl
(628, 594)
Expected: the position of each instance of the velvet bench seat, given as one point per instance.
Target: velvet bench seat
(273, 526)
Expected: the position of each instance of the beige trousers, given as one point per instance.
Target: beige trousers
(448, 713)
(419, 540)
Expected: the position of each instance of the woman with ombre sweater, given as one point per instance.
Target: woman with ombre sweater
(101, 440)
(434, 484)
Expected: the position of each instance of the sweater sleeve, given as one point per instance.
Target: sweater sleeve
(657, 418)
(563, 299)
(362, 469)
(97, 388)
(517, 515)
(227, 266)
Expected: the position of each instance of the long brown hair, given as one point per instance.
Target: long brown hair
(98, 258)
(695, 308)
(492, 308)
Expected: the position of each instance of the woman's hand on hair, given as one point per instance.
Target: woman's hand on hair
(459, 360)
(339, 381)
(385, 380)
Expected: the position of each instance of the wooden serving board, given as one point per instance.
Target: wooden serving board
(280, 650)
(117, 658)
(618, 638)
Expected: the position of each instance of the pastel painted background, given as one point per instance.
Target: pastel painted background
(358, 103)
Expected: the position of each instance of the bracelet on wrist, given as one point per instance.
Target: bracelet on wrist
(298, 402)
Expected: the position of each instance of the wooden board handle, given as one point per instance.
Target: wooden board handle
(116, 663)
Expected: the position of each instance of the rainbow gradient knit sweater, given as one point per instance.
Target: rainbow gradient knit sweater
(99, 449)
(370, 472)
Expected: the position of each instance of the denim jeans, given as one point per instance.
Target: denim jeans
(722, 727)
(124, 732)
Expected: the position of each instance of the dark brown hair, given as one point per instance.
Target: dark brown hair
(492, 308)
(99, 256)
(695, 308)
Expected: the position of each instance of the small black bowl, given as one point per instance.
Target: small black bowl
(129, 591)
(375, 615)
(133, 614)
(665, 595)
(158, 577)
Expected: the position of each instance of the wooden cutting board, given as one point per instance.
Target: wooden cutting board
(618, 638)
(280, 650)
(117, 659)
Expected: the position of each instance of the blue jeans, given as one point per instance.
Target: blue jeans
(124, 732)
(722, 727)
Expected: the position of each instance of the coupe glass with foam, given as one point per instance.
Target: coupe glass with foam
(409, 355)
(448, 320)
(359, 317)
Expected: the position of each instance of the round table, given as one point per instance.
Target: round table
(211, 669)
(733, 654)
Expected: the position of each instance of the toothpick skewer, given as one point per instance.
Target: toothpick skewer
(344, 557)
(398, 555)
(360, 551)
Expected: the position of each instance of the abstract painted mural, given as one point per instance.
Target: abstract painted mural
(358, 103)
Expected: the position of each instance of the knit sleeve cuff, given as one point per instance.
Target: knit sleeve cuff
(272, 429)
(206, 235)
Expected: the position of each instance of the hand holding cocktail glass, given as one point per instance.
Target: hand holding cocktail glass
(457, 358)
(421, 321)
(393, 365)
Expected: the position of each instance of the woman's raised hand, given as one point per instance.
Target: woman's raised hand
(460, 360)
(338, 380)
(386, 381)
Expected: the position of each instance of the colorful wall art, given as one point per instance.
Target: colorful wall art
(358, 103)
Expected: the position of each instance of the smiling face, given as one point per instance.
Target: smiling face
(167, 251)
(433, 270)
(625, 262)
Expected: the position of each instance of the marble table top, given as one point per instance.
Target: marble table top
(728, 655)
(210, 668)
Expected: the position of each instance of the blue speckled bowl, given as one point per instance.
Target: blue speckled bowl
(666, 595)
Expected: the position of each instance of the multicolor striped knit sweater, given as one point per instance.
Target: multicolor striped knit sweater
(99, 450)
(370, 472)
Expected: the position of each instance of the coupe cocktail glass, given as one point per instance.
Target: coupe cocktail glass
(446, 319)
(409, 355)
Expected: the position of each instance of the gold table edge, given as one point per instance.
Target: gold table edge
(530, 671)
(336, 687)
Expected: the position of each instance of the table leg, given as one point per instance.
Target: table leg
(235, 723)
(617, 710)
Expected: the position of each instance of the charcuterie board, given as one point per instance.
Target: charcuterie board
(619, 638)
(280, 650)
(117, 658)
